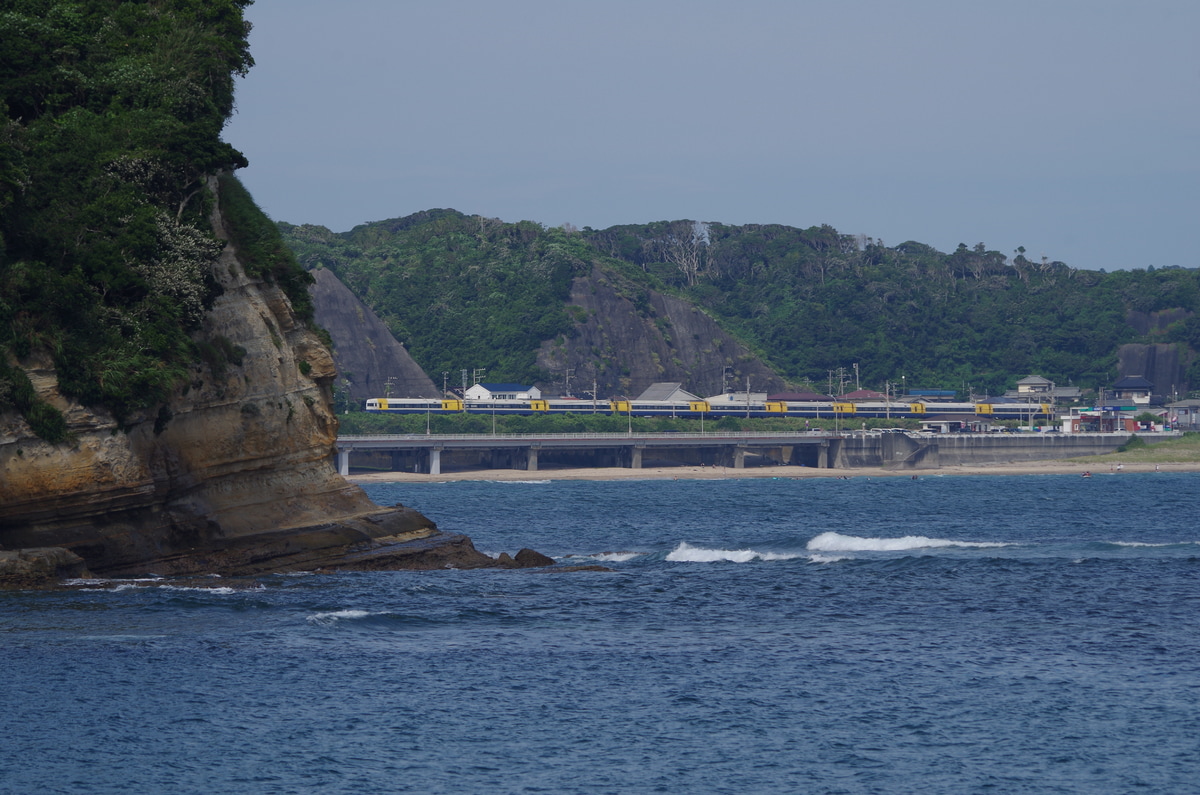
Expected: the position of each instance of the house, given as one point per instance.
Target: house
(930, 395)
(862, 396)
(1184, 415)
(1133, 388)
(503, 392)
(1034, 387)
(672, 391)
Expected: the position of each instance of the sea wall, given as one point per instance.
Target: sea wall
(932, 451)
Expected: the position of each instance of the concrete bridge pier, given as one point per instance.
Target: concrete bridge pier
(343, 462)
(823, 455)
(531, 463)
(435, 461)
(635, 456)
(739, 457)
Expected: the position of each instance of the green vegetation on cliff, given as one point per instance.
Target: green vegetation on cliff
(466, 291)
(112, 114)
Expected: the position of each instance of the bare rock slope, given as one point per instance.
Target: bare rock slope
(366, 353)
(640, 336)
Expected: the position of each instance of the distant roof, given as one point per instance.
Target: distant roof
(863, 394)
(506, 387)
(666, 390)
(1133, 382)
(1034, 379)
(1065, 392)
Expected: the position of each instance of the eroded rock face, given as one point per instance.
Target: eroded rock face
(656, 338)
(367, 354)
(244, 461)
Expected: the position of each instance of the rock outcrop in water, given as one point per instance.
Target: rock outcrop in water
(235, 477)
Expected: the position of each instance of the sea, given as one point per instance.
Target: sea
(944, 634)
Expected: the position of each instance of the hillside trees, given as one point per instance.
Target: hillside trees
(464, 291)
(815, 299)
(458, 291)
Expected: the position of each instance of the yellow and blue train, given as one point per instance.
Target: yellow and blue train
(695, 409)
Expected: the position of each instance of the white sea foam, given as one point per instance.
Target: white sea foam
(608, 557)
(615, 557)
(333, 616)
(140, 584)
(828, 558)
(223, 590)
(1148, 544)
(522, 482)
(685, 552)
(836, 542)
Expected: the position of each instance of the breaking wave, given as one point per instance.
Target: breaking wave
(685, 552)
(836, 542)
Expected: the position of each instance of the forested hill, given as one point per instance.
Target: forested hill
(815, 300)
(465, 291)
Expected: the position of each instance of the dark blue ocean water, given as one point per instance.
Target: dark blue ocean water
(947, 635)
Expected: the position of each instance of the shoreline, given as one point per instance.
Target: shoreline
(1050, 467)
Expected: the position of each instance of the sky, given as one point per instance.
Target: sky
(1071, 128)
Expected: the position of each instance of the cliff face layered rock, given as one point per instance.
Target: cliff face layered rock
(647, 338)
(1163, 365)
(240, 478)
(366, 353)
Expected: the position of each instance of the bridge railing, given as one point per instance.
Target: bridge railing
(467, 437)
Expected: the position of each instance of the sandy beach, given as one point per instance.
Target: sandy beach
(717, 473)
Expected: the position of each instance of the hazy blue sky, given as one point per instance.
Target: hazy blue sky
(1071, 128)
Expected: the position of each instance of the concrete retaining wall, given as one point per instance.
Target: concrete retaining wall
(931, 451)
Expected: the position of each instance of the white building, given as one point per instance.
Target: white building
(503, 392)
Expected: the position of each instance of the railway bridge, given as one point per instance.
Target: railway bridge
(737, 449)
(427, 453)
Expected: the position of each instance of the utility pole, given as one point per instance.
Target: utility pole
(445, 376)
(478, 371)
(724, 376)
(857, 384)
(567, 381)
(464, 379)
(387, 386)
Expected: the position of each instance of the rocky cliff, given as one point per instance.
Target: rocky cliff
(627, 343)
(367, 356)
(234, 475)
(1163, 365)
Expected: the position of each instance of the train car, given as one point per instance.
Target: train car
(1022, 411)
(574, 406)
(660, 408)
(510, 407)
(701, 408)
(410, 405)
